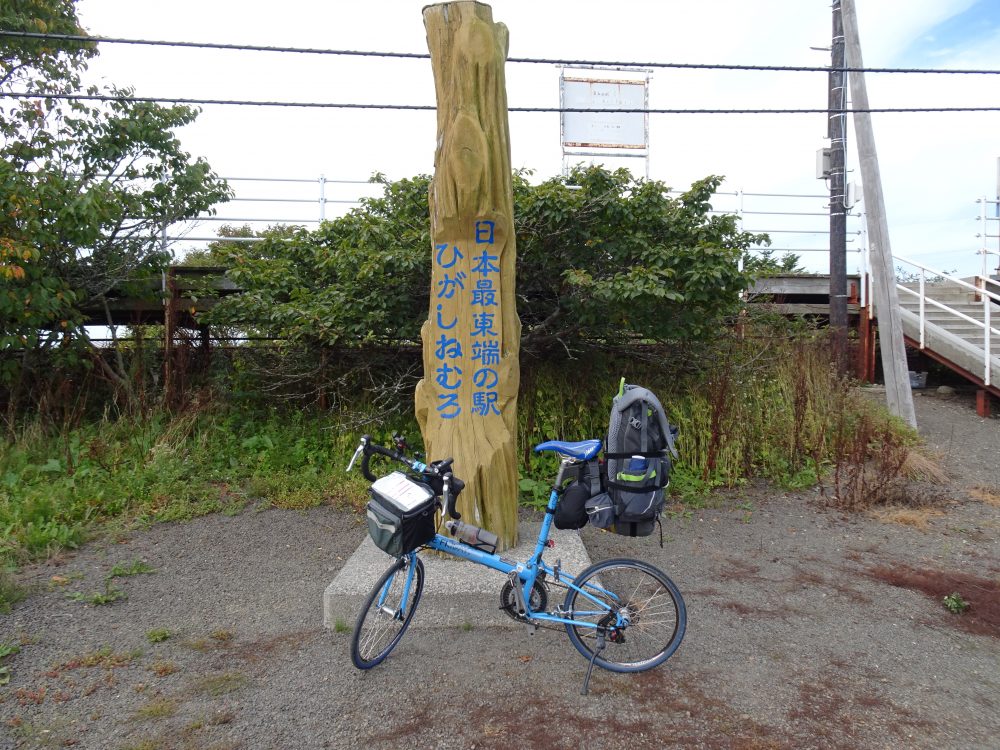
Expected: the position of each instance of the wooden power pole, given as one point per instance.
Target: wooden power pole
(466, 403)
(837, 133)
(890, 328)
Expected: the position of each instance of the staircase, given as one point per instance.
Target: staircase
(948, 324)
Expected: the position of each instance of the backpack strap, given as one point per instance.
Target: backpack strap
(644, 454)
(594, 470)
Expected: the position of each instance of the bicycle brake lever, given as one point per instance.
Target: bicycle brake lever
(361, 447)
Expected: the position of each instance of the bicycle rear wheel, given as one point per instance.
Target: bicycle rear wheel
(649, 602)
(387, 612)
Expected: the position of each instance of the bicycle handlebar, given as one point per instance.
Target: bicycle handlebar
(437, 475)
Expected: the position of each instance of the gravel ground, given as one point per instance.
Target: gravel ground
(794, 640)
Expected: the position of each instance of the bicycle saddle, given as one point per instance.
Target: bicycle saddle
(584, 450)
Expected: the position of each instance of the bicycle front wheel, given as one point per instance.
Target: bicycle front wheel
(649, 604)
(387, 612)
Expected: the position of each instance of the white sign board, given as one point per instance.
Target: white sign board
(609, 129)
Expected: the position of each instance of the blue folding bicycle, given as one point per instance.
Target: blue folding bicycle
(623, 615)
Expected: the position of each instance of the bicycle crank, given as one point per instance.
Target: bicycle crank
(538, 601)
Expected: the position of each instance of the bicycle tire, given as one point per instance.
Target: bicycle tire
(653, 603)
(374, 632)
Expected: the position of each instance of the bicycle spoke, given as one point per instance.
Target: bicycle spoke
(387, 612)
(643, 600)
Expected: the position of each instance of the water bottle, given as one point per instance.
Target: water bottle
(472, 535)
(638, 465)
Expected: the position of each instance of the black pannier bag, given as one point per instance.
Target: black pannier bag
(571, 512)
(400, 514)
(639, 450)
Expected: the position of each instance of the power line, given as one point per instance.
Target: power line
(432, 107)
(534, 60)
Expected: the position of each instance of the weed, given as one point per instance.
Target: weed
(26, 696)
(158, 635)
(146, 744)
(467, 627)
(869, 453)
(954, 603)
(10, 592)
(161, 708)
(222, 636)
(341, 627)
(7, 649)
(163, 668)
(748, 509)
(221, 718)
(679, 512)
(99, 598)
(123, 570)
(221, 684)
(103, 657)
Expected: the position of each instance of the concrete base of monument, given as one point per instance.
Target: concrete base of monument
(456, 592)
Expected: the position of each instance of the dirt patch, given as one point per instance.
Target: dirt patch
(981, 595)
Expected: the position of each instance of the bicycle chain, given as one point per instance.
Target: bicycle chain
(509, 607)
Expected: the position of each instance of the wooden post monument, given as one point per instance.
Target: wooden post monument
(466, 403)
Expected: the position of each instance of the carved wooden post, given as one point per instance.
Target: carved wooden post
(466, 403)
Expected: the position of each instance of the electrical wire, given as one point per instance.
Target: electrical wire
(533, 60)
(431, 107)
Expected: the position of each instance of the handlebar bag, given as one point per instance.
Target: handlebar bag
(400, 514)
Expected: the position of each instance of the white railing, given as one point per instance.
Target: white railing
(295, 201)
(987, 297)
(797, 222)
(985, 235)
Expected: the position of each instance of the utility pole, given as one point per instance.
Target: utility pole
(890, 326)
(837, 133)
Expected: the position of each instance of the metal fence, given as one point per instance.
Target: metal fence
(796, 223)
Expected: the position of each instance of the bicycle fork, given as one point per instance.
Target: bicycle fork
(400, 612)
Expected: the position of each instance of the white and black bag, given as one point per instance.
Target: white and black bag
(400, 514)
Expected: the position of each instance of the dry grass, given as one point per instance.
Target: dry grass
(917, 518)
(923, 467)
(988, 495)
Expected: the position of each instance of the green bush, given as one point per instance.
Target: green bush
(755, 406)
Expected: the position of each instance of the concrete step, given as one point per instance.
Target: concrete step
(936, 313)
(967, 332)
(455, 591)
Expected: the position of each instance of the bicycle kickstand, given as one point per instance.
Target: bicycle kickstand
(600, 647)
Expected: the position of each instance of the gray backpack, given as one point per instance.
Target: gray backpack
(638, 453)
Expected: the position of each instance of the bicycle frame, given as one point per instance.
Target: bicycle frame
(527, 572)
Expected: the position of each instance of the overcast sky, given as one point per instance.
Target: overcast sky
(934, 166)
